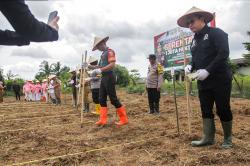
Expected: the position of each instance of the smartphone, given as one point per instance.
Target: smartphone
(52, 15)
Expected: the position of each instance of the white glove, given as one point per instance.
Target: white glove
(88, 79)
(84, 65)
(188, 69)
(202, 74)
(77, 86)
(97, 71)
(71, 82)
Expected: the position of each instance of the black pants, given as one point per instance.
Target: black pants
(221, 97)
(107, 88)
(74, 92)
(95, 95)
(17, 94)
(153, 95)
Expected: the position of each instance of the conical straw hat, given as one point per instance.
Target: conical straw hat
(92, 59)
(182, 21)
(98, 40)
(51, 77)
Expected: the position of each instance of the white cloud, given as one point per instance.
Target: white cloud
(130, 24)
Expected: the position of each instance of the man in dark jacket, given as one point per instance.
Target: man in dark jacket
(210, 53)
(16, 88)
(27, 27)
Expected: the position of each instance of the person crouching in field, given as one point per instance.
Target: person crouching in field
(153, 84)
(38, 91)
(95, 82)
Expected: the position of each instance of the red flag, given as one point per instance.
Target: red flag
(212, 23)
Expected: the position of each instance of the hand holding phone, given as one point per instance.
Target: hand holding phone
(53, 19)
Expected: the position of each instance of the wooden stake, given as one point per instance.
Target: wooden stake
(80, 83)
(175, 102)
(186, 84)
(83, 86)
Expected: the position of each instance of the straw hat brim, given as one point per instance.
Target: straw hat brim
(51, 77)
(98, 42)
(92, 59)
(182, 21)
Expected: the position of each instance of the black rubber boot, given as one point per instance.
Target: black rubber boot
(151, 108)
(157, 111)
(227, 128)
(208, 134)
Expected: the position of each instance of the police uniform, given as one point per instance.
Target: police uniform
(154, 81)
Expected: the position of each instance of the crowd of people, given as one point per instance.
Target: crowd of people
(209, 49)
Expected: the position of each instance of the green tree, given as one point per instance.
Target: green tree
(247, 46)
(122, 75)
(45, 69)
(1, 75)
(134, 76)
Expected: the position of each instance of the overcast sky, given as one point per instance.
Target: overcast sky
(131, 25)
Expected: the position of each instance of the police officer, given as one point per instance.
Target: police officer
(210, 53)
(153, 84)
(107, 87)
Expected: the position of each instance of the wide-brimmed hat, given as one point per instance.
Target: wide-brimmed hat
(37, 81)
(182, 21)
(98, 40)
(44, 80)
(51, 76)
(92, 59)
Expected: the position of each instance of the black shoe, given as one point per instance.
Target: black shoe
(157, 108)
(151, 108)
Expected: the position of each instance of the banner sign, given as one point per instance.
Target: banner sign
(169, 48)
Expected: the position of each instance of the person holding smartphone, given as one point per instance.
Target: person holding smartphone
(27, 27)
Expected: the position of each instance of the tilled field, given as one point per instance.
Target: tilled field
(43, 134)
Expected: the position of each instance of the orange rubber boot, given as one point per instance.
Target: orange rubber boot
(103, 116)
(122, 115)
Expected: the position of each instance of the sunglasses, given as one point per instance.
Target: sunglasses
(190, 21)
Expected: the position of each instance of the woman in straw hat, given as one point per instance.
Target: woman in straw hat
(107, 87)
(210, 52)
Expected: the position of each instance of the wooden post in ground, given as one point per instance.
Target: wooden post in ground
(175, 102)
(80, 87)
(83, 86)
(186, 84)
